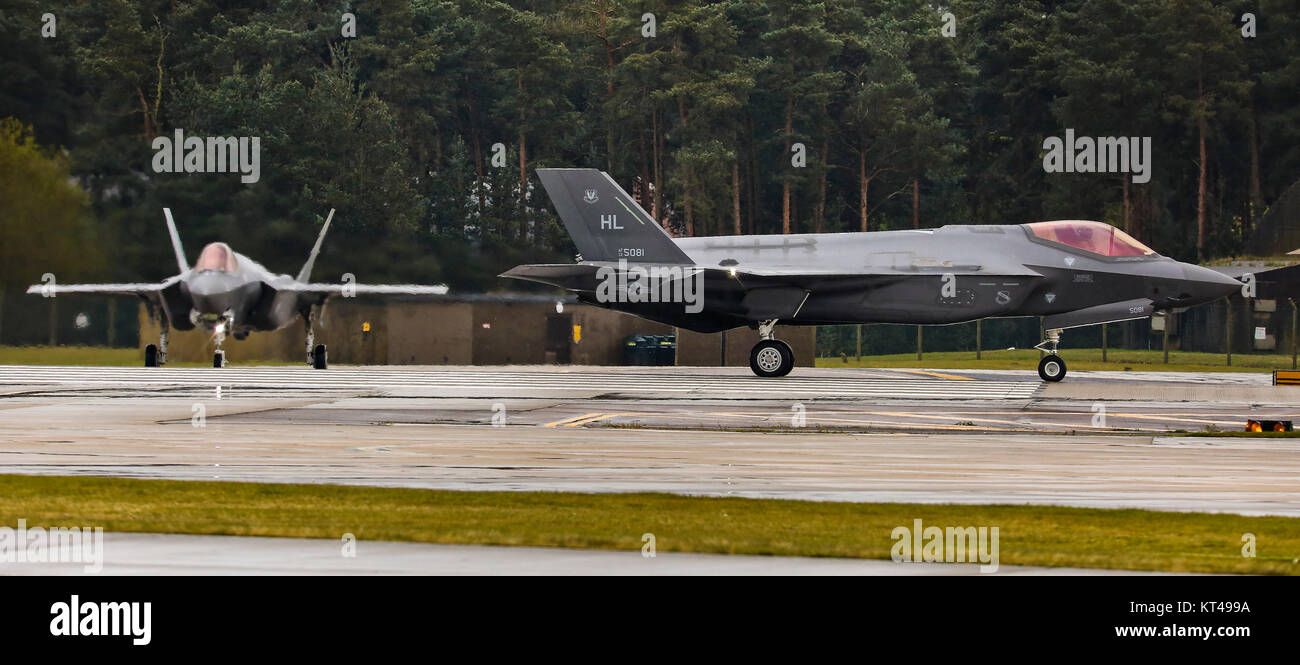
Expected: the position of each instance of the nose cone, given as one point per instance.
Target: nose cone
(212, 291)
(1205, 284)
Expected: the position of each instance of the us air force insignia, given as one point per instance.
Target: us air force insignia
(590, 196)
(1003, 297)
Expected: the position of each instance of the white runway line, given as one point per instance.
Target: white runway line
(395, 380)
(167, 554)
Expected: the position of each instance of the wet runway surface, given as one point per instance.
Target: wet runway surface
(1094, 440)
(170, 554)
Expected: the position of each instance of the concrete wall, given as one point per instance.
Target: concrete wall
(469, 333)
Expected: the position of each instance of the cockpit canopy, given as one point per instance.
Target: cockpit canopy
(1096, 237)
(216, 256)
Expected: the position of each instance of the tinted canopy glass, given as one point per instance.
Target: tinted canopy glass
(1096, 237)
(216, 256)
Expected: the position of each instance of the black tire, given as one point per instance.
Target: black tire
(789, 357)
(771, 358)
(151, 355)
(1051, 368)
(319, 358)
(219, 359)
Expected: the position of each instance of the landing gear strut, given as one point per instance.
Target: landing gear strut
(770, 357)
(156, 356)
(1051, 368)
(219, 336)
(317, 356)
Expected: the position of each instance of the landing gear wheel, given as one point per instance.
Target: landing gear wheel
(771, 358)
(151, 355)
(219, 359)
(1051, 368)
(318, 357)
(789, 357)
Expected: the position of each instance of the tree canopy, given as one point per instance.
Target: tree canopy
(424, 127)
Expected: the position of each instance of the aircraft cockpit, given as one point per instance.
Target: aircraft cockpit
(1095, 237)
(216, 256)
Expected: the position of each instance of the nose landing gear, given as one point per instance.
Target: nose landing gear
(770, 357)
(1051, 367)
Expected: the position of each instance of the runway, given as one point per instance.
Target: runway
(826, 434)
(172, 554)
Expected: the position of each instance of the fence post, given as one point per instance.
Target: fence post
(1103, 342)
(1169, 321)
(1293, 331)
(1228, 331)
(978, 344)
(918, 342)
(859, 335)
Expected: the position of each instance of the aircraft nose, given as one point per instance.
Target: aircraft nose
(212, 292)
(1210, 284)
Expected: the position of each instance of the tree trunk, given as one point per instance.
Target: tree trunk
(1127, 228)
(655, 205)
(820, 218)
(523, 165)
(686, 178)
(916, 202)
(862, 189)
(785, 182)
(1201, 185)
(735, 195)
(1256, 190)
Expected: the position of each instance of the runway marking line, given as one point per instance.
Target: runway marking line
(568, 422)
(950, 377)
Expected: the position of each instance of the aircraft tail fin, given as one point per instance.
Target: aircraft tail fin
(305, 274)
(176, 241)
(605, 222)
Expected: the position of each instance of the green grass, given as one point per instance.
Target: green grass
(70, 355)
(94, 356)
(1077, 359)
(1028, 535)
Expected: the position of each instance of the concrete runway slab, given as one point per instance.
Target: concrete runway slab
(372, 426)
(169, 554)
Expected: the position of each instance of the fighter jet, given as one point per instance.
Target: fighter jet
(228, 293)
(1071, 273)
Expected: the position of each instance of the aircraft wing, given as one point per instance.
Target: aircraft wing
(143, 290)
(367, 289)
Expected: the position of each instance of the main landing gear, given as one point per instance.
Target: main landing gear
(156, 355)
(317, 356)
(770, 357)
(1051, 368)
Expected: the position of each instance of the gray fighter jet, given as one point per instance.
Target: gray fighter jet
(228, 293)
(1072, 273)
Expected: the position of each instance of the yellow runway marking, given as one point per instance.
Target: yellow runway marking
(950, 377)
(569, 420)
(578, 421)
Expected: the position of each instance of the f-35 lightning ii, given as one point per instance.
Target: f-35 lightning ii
(226, 292)
(1071, 273)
